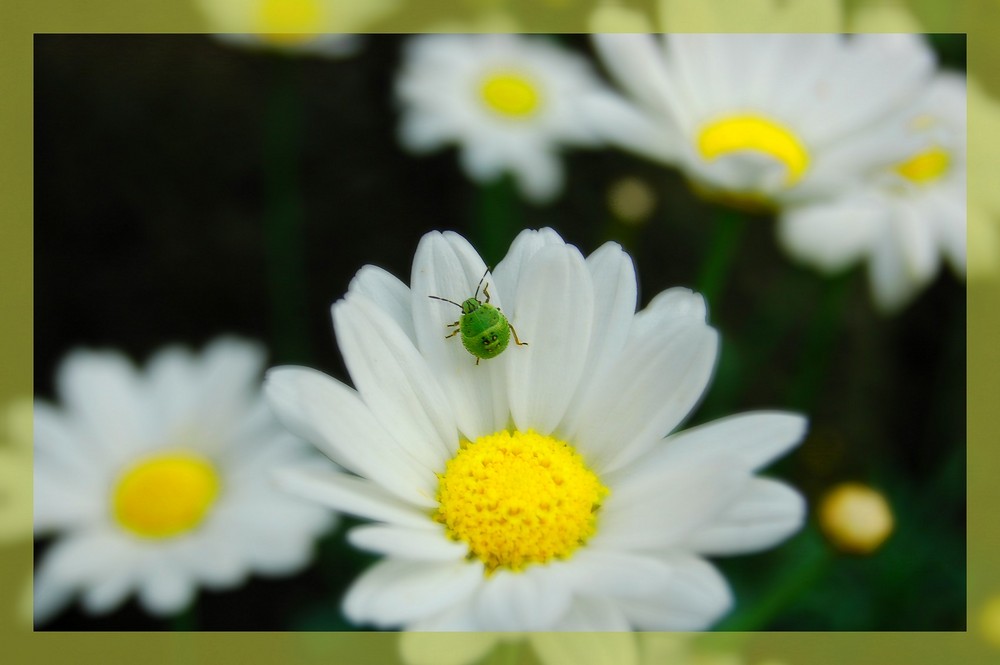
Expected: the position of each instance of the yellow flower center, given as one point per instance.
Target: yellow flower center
(741, 133)
(289, 21)
(510, 95)
(165, 495)
(518, 498)
(925, 167)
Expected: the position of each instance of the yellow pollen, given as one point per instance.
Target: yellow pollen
(165, 495)
(749, 132)
(511, 95)
(289, 21)
(518, 498)
(925, 167)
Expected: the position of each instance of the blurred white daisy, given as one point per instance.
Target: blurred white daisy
(535, 490)
(904, 218)
(158, 482)
(314, 27)
(763, 120)
(508, 102)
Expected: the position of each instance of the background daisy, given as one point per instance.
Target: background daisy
(509, 103)
(535, 491)
(158, 482)
(762, 120)
(903, 219)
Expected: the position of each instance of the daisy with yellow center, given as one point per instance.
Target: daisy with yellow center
(905, 217)
(158, 482)
(540, 489)
(508, 102)
(316, 27)
(768, 120)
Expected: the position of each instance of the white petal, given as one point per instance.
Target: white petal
(101, 393)
(592, 615)
(616, 574)
(389, 293)
(80, 558)
(668, 306)
(331, 415)
(527, 243)
(538, 173)
(63, 501)
(653, 385)
(108, 594)
(218, 561)
(166, 590)
(893, 282)
(696, 597)
(229, 377)
(394, 380)
(626, 127)
(410, 544)
(483, 160)
(424, 132)
(832, 235)
(350, 495)
(637, 64)
(753, 439)
(658, 505)
(56, 442)
(553, 314)
(49, 597)
(460, 617)
(394, 592)
(533, 599)
(764, 514)
(615, 294)
(447, 266)
(914, 230)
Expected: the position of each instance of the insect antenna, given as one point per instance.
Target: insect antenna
(481, 282)
(446, 300)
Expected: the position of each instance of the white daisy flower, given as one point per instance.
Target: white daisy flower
(509, 102)
(903, 218)
(294, 26)
(535, 490)
(158, 482)
(762, 120)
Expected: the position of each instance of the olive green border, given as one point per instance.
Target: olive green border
(20, 19)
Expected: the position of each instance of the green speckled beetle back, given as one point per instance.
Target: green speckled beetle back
(485, 330)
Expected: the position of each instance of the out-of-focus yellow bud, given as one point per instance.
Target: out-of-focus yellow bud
(989, 621)
(631, 200)
(855, 518)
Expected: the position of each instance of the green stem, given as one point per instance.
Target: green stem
(820, 338)
(496, 210)
(283, 218)
(725, 240)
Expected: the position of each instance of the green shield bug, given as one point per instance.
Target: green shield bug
(485, 330)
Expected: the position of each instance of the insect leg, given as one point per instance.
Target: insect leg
(516, 340)
(453, 333)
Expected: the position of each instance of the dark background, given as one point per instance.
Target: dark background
(184, 190)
